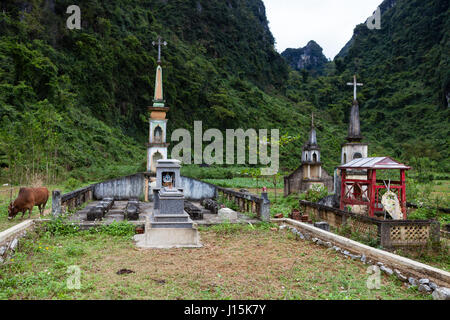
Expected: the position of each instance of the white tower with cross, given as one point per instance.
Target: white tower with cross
(354, 147)
(157, 143)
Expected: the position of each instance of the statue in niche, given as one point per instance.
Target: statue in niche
(167, 180)
(158, 135)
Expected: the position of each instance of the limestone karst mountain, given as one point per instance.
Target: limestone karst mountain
(309, 58)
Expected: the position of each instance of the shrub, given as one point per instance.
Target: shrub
(122, 228)
(316, 193)
(60, 227)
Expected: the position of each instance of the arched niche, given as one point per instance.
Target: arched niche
(357, 155)
(157, 135)
(156, 156)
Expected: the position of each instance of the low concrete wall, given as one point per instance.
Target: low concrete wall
(248, 202)
(124, 188)
(9, 238)
(407, 266)
(133, 186)
(197, 190)
(389, 233)
(121, 188)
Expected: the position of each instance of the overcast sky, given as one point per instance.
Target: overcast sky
(328, 22)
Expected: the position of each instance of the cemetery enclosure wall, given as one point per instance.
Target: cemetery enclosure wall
(198, 190)
(133, 186)
(124, 188)
(388, 233)
(248, 202)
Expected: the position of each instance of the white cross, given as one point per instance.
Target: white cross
(354, 84)
(159, 43)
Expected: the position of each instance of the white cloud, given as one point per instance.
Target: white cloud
(328, 22)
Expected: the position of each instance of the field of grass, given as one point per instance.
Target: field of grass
(438, 257)
(246, 182)
(236, 262)
(441, 189)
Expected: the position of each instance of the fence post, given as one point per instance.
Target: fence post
(435, 232)
(385, 235)
(56, 203)
(264, 209)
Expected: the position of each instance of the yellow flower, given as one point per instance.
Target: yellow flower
(12, 259)
(46, 248)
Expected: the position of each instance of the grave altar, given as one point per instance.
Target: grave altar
(169, 225)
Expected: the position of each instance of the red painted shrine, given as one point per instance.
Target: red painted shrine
(368, 192)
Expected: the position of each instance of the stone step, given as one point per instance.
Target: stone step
(117, 211)
(114, 217)
(171, 218)
(184, 225)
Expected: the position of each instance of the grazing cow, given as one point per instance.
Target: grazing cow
(26, 200)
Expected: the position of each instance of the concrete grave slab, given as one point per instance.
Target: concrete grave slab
(227, 213)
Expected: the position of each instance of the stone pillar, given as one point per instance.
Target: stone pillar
(56, 203)
(264, 209)
(155, 199)
(435, 233)
(337, 186)
(146, 189)
(384, 232)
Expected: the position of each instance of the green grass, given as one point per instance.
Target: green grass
(246, 182)
(236, 262)
(441, 189)
(283, 205)
(437, 256)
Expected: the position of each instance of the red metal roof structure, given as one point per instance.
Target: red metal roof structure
(368, 192)
(382, 163)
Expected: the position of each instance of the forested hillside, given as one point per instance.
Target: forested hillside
(73, 99)
(78, 98)
(405, 68)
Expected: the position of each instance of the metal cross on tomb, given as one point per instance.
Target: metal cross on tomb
(159, 43)
(354, 84)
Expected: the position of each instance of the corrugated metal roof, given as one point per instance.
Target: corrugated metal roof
(374, 163)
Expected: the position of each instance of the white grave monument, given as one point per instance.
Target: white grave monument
(169, 226)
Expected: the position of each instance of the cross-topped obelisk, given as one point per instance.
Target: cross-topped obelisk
(159, 44)
(157, 145)
(355, 85)
(354, 148)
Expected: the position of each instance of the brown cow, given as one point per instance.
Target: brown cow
(26, 200)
